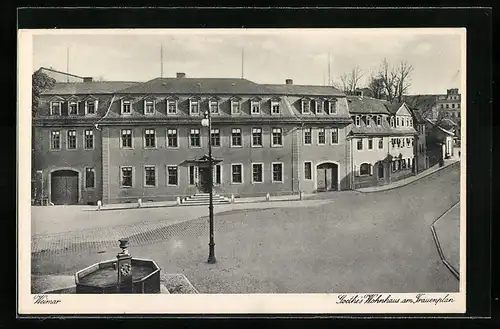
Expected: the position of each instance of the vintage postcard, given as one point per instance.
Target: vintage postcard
(219, 171)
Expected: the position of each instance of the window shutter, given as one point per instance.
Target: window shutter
(133, 177)
(356, 170)
(144, 106)
(96, 105)
(371, 169)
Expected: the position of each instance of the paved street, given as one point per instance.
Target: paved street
(351, 242)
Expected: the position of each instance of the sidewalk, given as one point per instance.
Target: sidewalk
(162, 204)
(409, 180)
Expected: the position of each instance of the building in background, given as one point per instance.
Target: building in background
(119, 141)
(381, 141)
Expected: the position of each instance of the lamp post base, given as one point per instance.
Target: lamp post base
(211, 255)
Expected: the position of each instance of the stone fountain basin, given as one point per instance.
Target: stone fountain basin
(102, 278)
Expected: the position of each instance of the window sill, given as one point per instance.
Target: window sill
(89, 149)
(173, 185)
(126, 186)
(276, 145)
(126, 148)
(277, 182)
(195, 147)
(150, 148)
(67, 149)
(149, 186)
(257, 182)
(236, 183)
(257, 146)
(55, 150)
(172, 147)
(236, 146)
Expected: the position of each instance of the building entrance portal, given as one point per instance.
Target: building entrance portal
(327, 177)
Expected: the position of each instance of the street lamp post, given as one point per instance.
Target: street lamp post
(207, 122)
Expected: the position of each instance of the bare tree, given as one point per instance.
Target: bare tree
(402, 81)
(349, 81)
(388, 77)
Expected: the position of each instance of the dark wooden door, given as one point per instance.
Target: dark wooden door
(203, 184)
(64, 187)
(321, 178)
(327, 177)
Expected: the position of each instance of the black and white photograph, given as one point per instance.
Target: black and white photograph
(242, 170)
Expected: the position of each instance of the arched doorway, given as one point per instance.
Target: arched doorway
(327, 177)
(64, 187)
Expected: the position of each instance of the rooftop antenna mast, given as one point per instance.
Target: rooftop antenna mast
(161, 61)
(67, 64)
(242, 61)
(329, 73)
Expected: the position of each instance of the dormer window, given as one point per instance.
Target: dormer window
(306, 106)
(55, 108)
(411, 122)
(214, 107)
(332, 106)
(392, 122)
(235, 106)
(194, 106)
(90, 106)
(149, 107)
(357, 121)
(379, 120)
(255, 105)
(126, 107)
(368, 120)
(275, 107)
(72, 108)
(171, 106)
(397, 122)
(319, 106)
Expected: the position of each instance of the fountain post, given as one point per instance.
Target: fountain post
(124, 267)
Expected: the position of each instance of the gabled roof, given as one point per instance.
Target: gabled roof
(85, 88)
(193, 86)
(421, 102)
(367, 105)
(301, 90)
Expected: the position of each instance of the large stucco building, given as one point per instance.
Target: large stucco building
(120, 141)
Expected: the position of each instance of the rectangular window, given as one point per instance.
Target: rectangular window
(335, 135)
(321, 136)
(307, 136)
(319, 106)
(235, 107)
(275, 107)
(150, 138)
(236, 174)
(357, 121)
(306, 106)
(277, 137)
(368, 121)
(332, 106)
(370, 143)
(256, 136)
(126, 138)
(126, 107)
(217, 174)
(408, 142)
(149, 107)
(194, 107)
(360, 144)
(89, 139)
(215, 137)
(308, 170)
(73, 108)
(90, 106)
(194, 138)
(55, 140)
(214, 107)
(171, 107)
(257, 172)
(126, 179)
(255, 107)
(149, 176)
(55, 108)
(172, 138)
(236, 137)
(172, 175)
(277, 172)
(71, 139)
(89, 177)
(380, 143)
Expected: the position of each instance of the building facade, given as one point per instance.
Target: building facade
(120, 141)
(382, 141)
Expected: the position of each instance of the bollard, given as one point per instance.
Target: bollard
(268, 196)
(232, 198)
(300, 195)
(178, 201)
(99, 204)
(139, 203)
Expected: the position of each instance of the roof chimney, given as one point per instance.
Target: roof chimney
(181, 75)
(289, 81)
(87, 79)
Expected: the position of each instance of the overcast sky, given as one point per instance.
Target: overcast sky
(269, 56)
